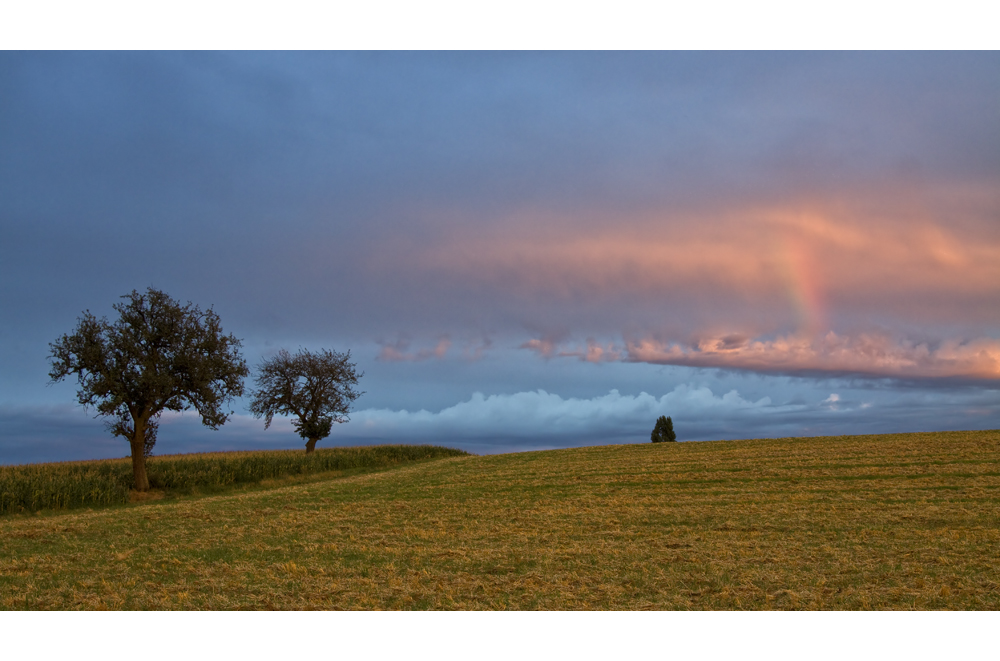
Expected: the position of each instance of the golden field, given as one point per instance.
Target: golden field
(904, 521)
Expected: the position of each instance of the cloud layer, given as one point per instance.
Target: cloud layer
(539, 415)
(532, 420)
(835, 262)
(869, 355)
(824, 214)
(864, 355)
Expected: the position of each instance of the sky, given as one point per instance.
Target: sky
(521, 250)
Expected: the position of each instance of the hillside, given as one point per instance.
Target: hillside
(882, 522)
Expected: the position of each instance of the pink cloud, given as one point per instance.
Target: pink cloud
(865, 354)
(829, 283)
(399, 351)
(917, 256)
(592, 351)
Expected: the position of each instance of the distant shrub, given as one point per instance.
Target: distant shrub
(663, 431)
(107, 482)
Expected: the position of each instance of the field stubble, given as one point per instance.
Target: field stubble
(908, 521)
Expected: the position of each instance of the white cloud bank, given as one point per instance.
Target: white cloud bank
(540, 419)
(540, 413)
(533, 420)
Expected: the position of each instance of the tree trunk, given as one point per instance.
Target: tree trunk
(138, 443)
(311, 445)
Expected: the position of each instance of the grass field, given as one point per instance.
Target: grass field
(71, 484)
(909, 521)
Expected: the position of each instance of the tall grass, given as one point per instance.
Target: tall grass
(72, 484)
(34, 487)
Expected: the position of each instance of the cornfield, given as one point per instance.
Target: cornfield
(33, 487)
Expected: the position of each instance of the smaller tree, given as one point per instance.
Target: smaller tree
(663, 431)
(316, 388)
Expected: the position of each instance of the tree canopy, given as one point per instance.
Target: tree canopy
(316, 388)
(159, 355)
(663, 430)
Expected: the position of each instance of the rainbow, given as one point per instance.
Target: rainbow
(804, 286)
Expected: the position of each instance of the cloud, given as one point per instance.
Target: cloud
(545, 347)
(399, 351)
(540, 419)
(529, 420)
(864, 355)
(61, 432)
(721, 210)
(592, 351)
(856, 261)
(854, 249)
(66, 432)
(537, 415)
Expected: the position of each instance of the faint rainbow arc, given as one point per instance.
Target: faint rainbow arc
(804, 286)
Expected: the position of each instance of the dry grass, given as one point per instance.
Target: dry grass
(909, 521)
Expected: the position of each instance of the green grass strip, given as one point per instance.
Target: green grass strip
(66, 485)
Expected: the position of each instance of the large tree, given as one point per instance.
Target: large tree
(158, 356)
(316, 388)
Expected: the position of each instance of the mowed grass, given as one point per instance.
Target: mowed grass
(909, 521)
